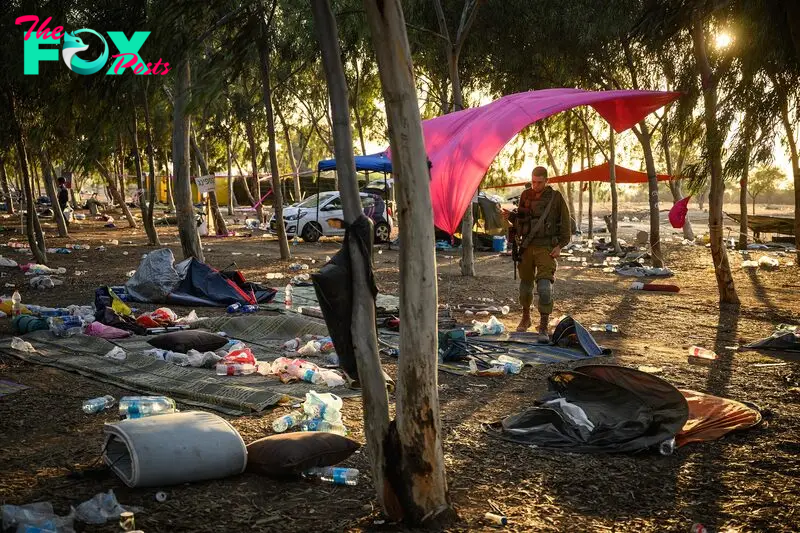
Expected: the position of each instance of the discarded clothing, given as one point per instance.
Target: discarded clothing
(641, 271)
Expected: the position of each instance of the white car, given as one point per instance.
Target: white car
(321, 214)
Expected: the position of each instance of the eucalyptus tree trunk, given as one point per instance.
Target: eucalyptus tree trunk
(644, 136)
(36, 180)
(115, 194)
(719, 254)
(742, 245)
(220, 226)
(187, 224)
(373, 385)
(589, 159)
(417, 467)
(453, 53)
(52, 192)
(674, 184)
(277, 190)
(612, 181)
(149, 223)
(290, 150)
(170, 182)
(146, 201)
(795, 157)
(230, 175)
(6, 190)
(254, 195)
(33, 227)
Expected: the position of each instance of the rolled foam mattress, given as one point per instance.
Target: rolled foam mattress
(173, 448)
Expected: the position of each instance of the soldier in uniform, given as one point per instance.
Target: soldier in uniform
(540, 228)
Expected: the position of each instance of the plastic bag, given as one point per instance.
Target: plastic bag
(102, 507)
(326, 406)
(117, 353)
(332, 378)
(490, 327)
(202, 360)
(240, 356)
(98, 329)
(310, 348)
(65, 326)
(39, 515)
(768, 263)
(45, 282)
(191, 318)
(22, 346)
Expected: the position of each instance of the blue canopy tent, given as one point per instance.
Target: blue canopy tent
(364, 163)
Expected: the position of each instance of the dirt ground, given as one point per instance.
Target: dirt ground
(744, 482)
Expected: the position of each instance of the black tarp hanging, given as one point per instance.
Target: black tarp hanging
(334, 288)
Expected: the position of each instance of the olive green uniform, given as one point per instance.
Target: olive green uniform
(535, 264)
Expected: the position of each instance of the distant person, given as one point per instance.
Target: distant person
(63, 194)
(541, 227)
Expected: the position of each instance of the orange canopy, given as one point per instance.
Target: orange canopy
(598, 173)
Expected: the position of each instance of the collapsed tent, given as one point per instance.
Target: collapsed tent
(599, 173)
(191, 282)
(781, 341)
(605, 408)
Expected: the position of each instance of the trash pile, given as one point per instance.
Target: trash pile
(320, 412)
(40, 516)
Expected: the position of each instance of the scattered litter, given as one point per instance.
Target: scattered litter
(698, 355)
(117, 353)
(97, 405)
(651, 369)
(639, 286)
(22, 346)
(749, 264)
(5, 262)
(296, 267)
(334, 474)
(768, 263)
(37, 516)
(490, 327)
(496, 519)
(161, 496)
(44, 282)
(102, 507)
(608, 328)
(144, 406)
(767, 365)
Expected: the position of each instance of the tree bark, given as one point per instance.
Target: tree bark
(254, 195)
(6, 190)
(612, 181)
(722, 269)
(33, 228)
(453, 52)
(149, 223)
(375, 399)
(795, 157)
(230, 175)
(418, 473)
(674, 184)
(644, 137)
(290, 149)
(220, 226)
(118, 190)
(170, 182)
(743, 201)
(187, 224)
(277, 190)
(147, 196)
(52, 192)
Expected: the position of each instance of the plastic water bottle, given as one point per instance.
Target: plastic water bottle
(16, 300)
(332, 427)
(237, 369)
(334, 474)
(287, 299)
(249, 309)
(96, 405)
(608, 328)
(287, 421)
(142, 406)
(234, 308)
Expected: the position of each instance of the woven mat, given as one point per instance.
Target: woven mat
(234, 395)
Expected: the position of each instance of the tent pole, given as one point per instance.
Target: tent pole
(319, 174)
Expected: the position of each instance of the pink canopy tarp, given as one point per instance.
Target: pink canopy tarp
(461, 146)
